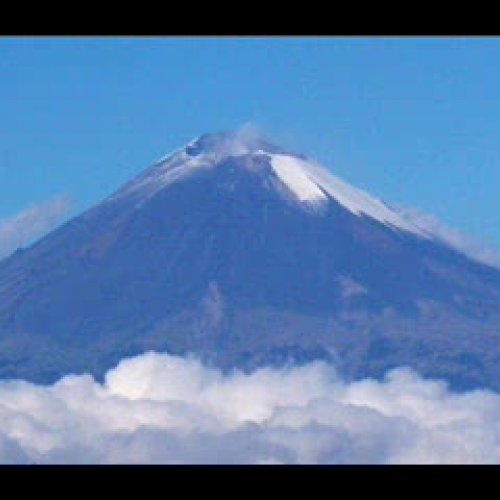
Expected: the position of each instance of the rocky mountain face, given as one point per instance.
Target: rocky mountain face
(245, 255)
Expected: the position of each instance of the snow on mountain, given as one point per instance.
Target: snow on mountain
(306, 180)
(309, 182)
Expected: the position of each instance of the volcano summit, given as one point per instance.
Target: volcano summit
(245, 255)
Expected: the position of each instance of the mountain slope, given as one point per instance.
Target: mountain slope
(245, 254)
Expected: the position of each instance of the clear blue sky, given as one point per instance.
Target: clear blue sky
(412, 120)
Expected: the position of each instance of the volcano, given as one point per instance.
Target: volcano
(243, 254)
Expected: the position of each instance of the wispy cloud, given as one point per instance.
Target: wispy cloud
(159, 408)
(470, 246)
(241, 141)
(30, 223)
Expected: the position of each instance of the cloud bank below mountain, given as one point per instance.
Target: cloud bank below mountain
(157, 408)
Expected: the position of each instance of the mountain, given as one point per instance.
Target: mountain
(247, 255)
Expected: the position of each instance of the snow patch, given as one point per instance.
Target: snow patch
(309, 182)
(163, 174)
(296, 179)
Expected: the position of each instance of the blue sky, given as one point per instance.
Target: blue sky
(412, 120)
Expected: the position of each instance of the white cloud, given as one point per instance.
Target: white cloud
(470, 246)
(241, 141)
(30, 223)
(165, 409)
